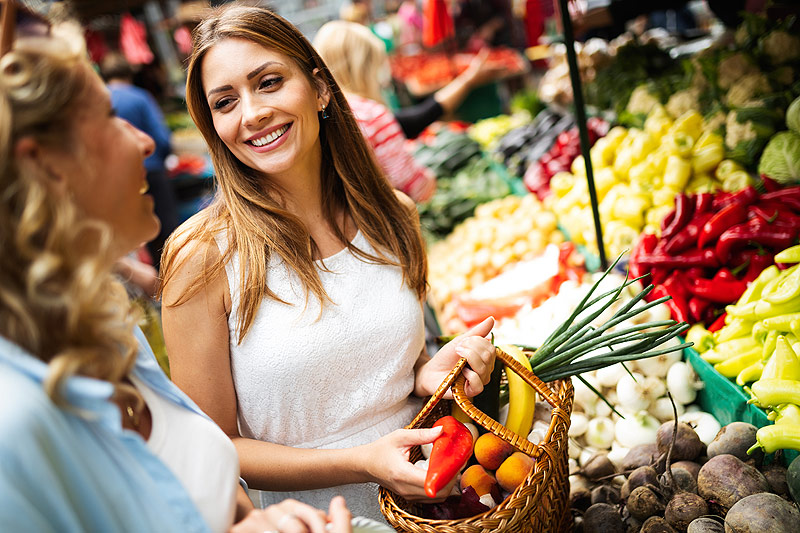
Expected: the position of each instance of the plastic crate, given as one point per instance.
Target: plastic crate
(726, 400)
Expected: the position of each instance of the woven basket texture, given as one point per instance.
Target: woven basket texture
(540, 504)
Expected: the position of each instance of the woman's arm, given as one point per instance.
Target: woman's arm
(196, 335)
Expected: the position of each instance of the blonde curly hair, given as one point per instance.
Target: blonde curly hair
(58, 297)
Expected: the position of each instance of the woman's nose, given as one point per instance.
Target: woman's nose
(254, 111)
(147, 142)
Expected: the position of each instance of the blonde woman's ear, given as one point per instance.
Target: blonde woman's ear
(35, 160)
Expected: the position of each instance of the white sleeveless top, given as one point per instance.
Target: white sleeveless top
(185, 441)
(333, 380)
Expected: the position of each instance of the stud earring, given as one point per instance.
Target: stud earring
(324, 113)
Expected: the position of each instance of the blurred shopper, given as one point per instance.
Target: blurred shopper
(357, 59)
(93, 436)
(138, 107)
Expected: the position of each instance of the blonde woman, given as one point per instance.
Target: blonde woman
(93, 436)
(357, 59)
(292, 305)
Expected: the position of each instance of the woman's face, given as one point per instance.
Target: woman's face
(264, 108)
(105, 171)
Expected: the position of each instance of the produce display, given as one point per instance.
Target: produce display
(637, 175)
(713, 245)
(500, 233)
(522, 146)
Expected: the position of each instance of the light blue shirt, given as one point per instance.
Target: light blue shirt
(76, 469)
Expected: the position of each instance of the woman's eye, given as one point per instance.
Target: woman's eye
(268, 83)
(221, 104)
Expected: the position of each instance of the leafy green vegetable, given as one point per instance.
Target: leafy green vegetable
(781, 158)
(793, 116)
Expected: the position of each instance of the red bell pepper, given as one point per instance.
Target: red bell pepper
(687, 237)
(692, 258)
(684, 208)
(703, 202)
(720, 221)
(757, 233)
(746, 196)
(718, 324)
(723, 292)
(451, 450)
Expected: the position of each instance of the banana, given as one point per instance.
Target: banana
(521, 396)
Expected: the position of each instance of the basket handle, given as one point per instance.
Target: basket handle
(456, 380)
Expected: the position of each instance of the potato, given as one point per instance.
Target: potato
(727, 480)
(688, 445)
(735, 439)
(762, 513)
(602, 518)
(683, 508)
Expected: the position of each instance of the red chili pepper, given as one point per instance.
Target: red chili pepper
(770, 184)
(451, 450)
(646, 244)
(758, 233)
(687, 237)
(718, 291)
(720, 221)
(683, 214)
(724, 274)
(693, 273)
(667, 220)
(718, 324)
(678, 309)
(746, 196)
(758, 262)
(703, 202)
(772, 214)
(697, 308)
(781, 194)
(691, 258)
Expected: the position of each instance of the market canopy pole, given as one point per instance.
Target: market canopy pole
(580, 118)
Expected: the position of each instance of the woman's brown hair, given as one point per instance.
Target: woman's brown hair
(257, 224)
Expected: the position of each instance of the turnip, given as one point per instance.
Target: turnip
(727, 480)
(734, 438)
(762, 513)
(687, 446)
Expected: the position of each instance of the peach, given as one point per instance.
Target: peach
(513, 471)
(479, 479)
(491, 451)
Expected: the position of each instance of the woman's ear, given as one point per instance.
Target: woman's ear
(323, 90)
(37, 161)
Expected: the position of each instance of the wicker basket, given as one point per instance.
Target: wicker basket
(540, 503)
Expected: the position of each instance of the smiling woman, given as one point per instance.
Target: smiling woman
(292, 305)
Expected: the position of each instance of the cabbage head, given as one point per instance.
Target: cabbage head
(781, 158)
(793, 116)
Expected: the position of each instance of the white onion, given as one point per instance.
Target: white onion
(578, 424)
(631, 393)
(705, 425)
(640, 428)
(600, 433)
(682, 383)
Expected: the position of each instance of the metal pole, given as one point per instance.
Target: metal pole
(580, 118)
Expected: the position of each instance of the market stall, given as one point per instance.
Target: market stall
(695, 166)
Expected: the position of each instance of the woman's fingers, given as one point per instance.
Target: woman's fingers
(339, 516)
(474, 384)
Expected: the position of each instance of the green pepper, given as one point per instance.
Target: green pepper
(738, 327)
(730, 368)
(750, 374)
(789, 255)
(773, 438)
(787, 288)
(784, 363)
(729, 349)
(773, 392)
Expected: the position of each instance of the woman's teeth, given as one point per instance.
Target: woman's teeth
(270, 137)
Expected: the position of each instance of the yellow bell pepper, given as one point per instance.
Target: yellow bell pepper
(707, 158)
(736, 181)
(676, 172)
(727, 167)
(750, 374)
(789, 255)
(690, 123)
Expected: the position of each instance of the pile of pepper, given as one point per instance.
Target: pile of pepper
(713, 245)
(759, 344)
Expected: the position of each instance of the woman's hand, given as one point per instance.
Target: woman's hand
(474, 347)
(291, 516)
(387, 463)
